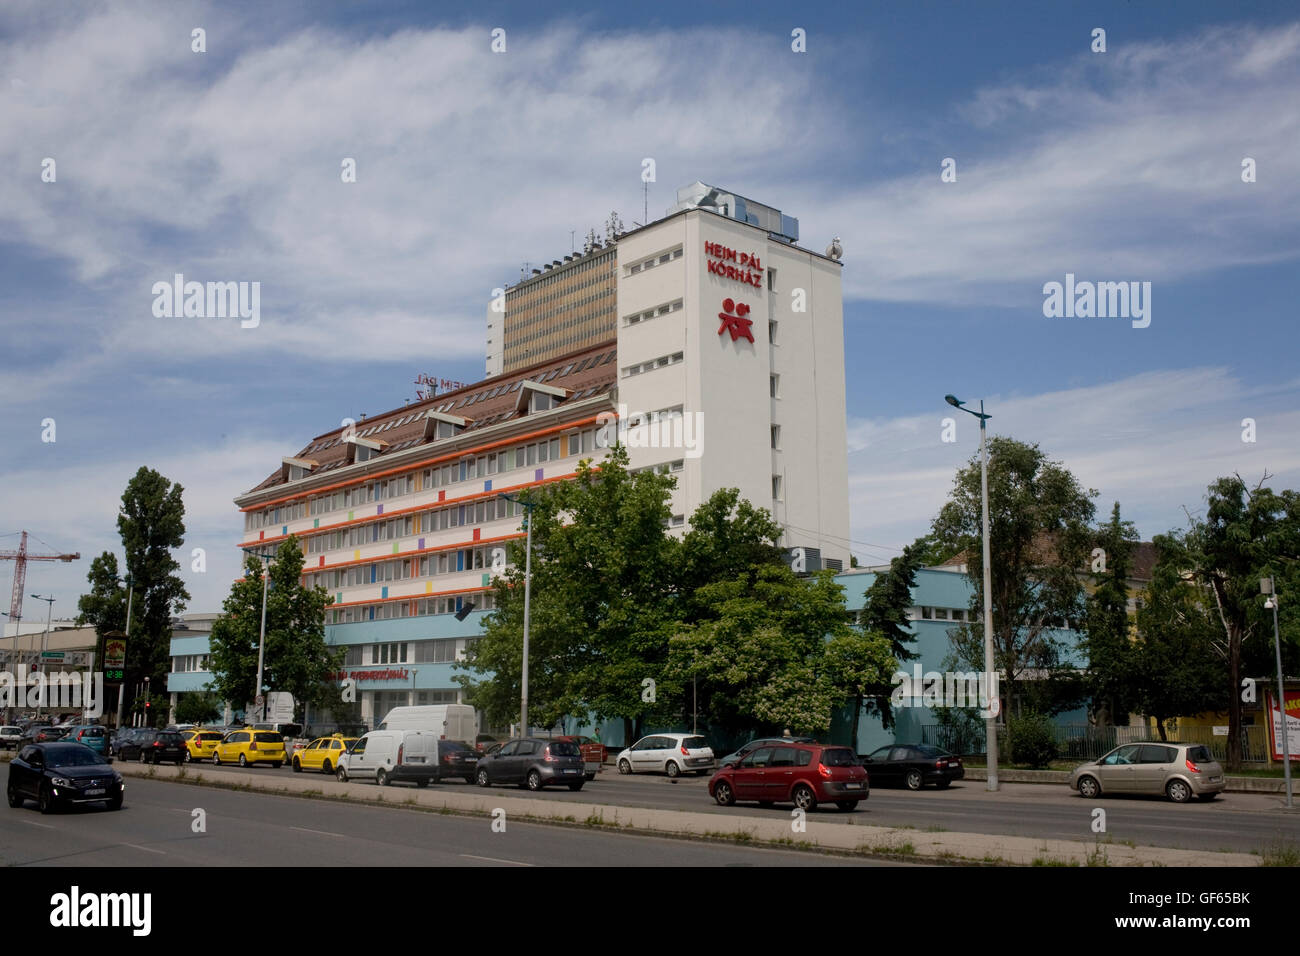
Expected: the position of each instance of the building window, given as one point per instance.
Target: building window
(771, 333)
(775, 385)
(927, 613)
(771, 280)
(776, 487)
(776, 436)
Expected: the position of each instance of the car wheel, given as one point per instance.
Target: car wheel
(342, 775)
(804, 798)
(1206, 797)
(187, 756)
(672, 769)
(115, 803)
(277, 764)
(1089, 787)
(15, 798)
(1178, 791)
(482, 779)
(422, 782)
(216, 759)
(591, 776)
(534, 780)
(243, 761)
(914, 780)
(381, 777)
(624, 767)
(297, 767)
(326, 767)
(848, 806)
(469, 780)
(722, 793)
(141, 757)
(576, 785)
(45, 800)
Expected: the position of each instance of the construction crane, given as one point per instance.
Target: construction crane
(21, 557)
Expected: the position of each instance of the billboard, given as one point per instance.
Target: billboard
(1292, 724)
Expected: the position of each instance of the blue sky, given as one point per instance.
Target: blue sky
(1115, 166)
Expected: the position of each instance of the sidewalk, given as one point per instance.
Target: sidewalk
(921, 846)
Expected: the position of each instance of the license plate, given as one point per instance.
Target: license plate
(415, 760)
(573, 771)
(1216, 780)
(95, 793)
(853, 786)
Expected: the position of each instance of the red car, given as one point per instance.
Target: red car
(593, 753)
(802, 774)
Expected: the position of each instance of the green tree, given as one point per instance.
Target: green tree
(884, 614)
(1108, 629)
(1176, 670)
(1246, 534)
(151, 523)
(200, 707)
(1039, 520)
(296, 660)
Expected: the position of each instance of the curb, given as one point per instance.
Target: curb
(920, 846)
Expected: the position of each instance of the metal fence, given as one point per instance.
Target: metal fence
(1088, 742)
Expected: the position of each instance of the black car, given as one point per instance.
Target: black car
(154, 746)
(753, 745)
(913, 765)
(457, 759)
(534, 763)
(43, 734)
(121, 736)
(57, 774)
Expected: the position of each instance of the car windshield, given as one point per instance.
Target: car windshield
(838, 757)
(925, 750)
(695, 743)
(452, 746)
(72, 757)
(563, 748)
(171, 738)
(267, 737)
(1199, 754)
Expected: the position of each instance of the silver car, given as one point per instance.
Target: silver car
(9, 737)
(1179, 771)
(672, 754)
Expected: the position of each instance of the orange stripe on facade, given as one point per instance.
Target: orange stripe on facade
(403, 469)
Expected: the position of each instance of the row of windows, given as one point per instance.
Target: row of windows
(189, 663)
(404, 569)
(663, 468)
(660, 362)
(652, 313)
(657, 259)
(484, 601)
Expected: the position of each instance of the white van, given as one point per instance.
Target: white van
(386, 756)
(447, 721)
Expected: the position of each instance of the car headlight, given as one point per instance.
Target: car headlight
(61, 781)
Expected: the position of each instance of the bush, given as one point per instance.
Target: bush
(1033, 740)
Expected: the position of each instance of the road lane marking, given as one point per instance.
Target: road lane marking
(492, 859)
(318, 832)
(136, 846)
(33, 823)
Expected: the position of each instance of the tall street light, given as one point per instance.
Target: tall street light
(990, 722)
(1266, 587)
(261, 637)
(49, 611)
(528, 583)
(121, 687)
(17, 620)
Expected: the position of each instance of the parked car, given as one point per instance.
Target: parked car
(246, 747)
(913, 765)
(672, 754)
(533, 763)
(154, 746)
(802, 774)
(1179, 771)
(42, 734)
(322, 754)
(457, 759)
(120, 736)
(92, 735)
(9, 737)
(593, 753)
(200, 743)
(56, 774)
(753, 745)
(389, 756)
(485, 742)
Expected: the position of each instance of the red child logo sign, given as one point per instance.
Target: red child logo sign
(734, 321)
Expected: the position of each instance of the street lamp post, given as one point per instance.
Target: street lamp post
(49, 611)
(1266, 587)
(990, 722)
(121, 686)
(528, 582)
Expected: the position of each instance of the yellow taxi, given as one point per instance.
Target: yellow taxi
(248, 746)
(200, 743)
(322, 754)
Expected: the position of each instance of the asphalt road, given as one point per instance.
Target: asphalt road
(155, 828)
(1240, 822)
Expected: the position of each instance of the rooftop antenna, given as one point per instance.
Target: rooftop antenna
(573, 245)
(645, 191)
